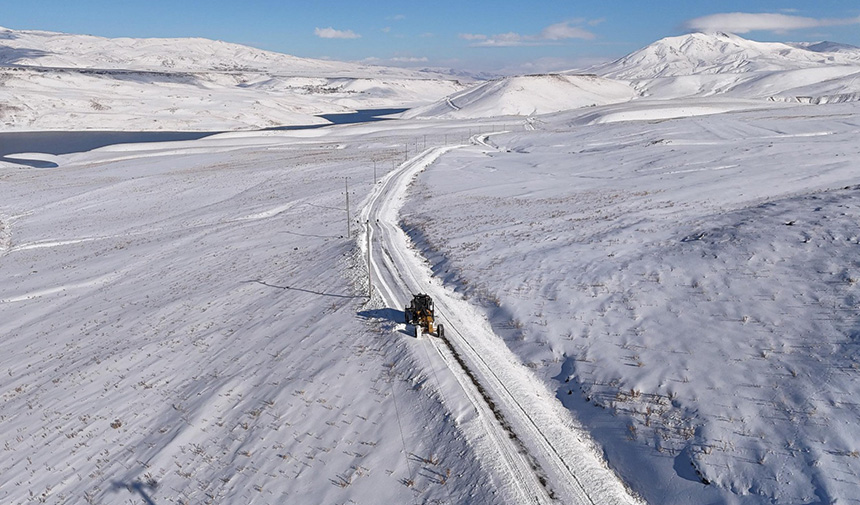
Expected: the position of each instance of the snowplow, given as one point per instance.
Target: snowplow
(421, 315)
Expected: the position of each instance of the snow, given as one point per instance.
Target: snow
(700, 64)
(687, 288)
(527, 95)
(690, 66)
(33, 48)
(721, 53)
(651, 299)
(547, 453)
(54, 81)
(181, 322)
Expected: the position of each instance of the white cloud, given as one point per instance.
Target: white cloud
(403, 59)
(561, 31)
(509, 39)
(742, 22)
(549, 35)
(386, 29)
(331, 33)
(397, 61)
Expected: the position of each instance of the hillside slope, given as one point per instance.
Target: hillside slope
(527, 95)
(55, 81)
(699, 64)
(688, 288)
(33, 48)
(723, 53)
(182, 323)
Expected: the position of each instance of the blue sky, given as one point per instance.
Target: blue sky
(502, 35)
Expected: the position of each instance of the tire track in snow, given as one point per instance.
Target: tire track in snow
(541, 447)
(489, 438)
(5, 236)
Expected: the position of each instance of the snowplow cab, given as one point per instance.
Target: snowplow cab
(421, 314)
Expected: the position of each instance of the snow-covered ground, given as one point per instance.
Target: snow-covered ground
(688, 288)
(182, 323)
(40, 99)
(655, 297)
(187, 321)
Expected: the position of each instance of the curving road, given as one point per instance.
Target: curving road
(523, 431)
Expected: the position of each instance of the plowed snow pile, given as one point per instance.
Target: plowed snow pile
(688, 287)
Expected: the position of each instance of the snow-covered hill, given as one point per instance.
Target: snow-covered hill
(528, 95)
(826, 46)
(700, 64)
(690, 66)
(55, 81)
(34, 48)
(689, 287)
(723, 53)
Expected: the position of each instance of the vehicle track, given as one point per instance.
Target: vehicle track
(545, 454)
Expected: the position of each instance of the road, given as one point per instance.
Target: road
(531, 440)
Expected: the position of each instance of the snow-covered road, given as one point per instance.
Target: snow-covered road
(526, 436)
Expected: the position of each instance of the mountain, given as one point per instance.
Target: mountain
(721, 53)
(527, 95)
(689, 66)
(56, 81)
(32, 48)
(709, 64)
(826, 47)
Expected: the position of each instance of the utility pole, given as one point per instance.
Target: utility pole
(374, 172)
(348, 231)
(369, 274)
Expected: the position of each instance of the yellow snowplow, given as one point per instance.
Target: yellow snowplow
(421, 315)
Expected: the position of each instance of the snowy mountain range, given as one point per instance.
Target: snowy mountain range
(55, 81)
(32, 48)
(688, 66)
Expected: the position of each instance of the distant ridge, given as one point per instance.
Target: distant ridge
(56, 81)
(721, 53)
(723, 64)
(33, 48)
